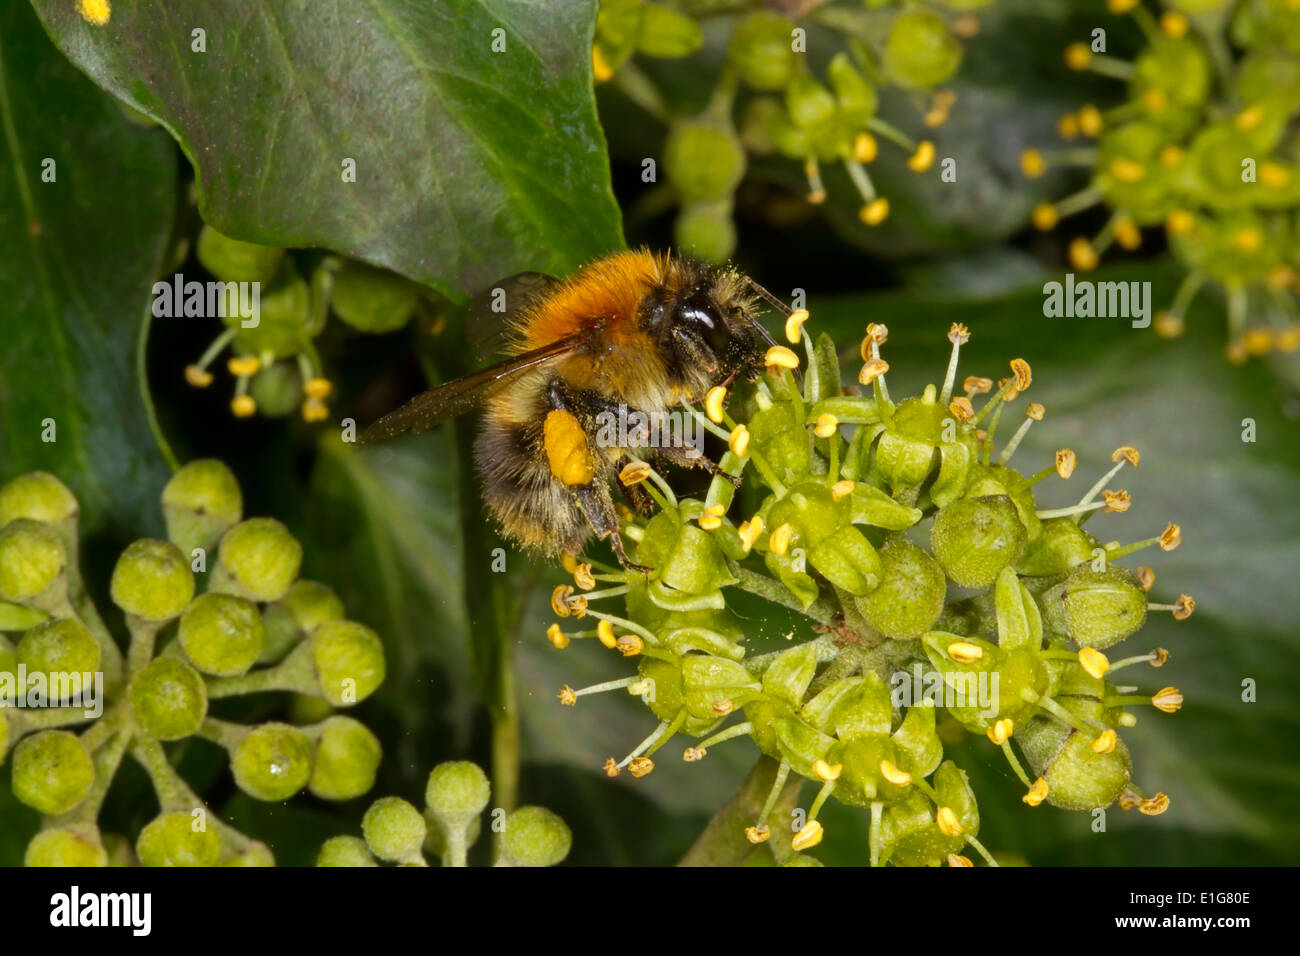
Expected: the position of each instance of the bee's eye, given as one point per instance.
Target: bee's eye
(699, 313)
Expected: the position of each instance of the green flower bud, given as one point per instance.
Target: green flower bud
(905, 454)
(1095, 608)
(1060, 546)
(169, 698)
(234, 261)
(282, 633)
(171, 840)
(920, 52)
(272, 762)
(258, 560)
(66, 846)
(973, 539)
(277, 389)
(706, 230)
(63, 650)
(373, 300)
(222, 634)
(349, 661)
(152, 580)
(345, 851)
(347, 756)
(534, 836)
(1077, 777)
(762, 50)
(808, 102)
(457, 791)
(32, 560)
(856, 96)
(201, 502)
(911, 592)
(52, 772)
(667, 33)
(394, 830)
(311, 604)
(258, 855)
(913, 843)
(37, 495)
(704, 161)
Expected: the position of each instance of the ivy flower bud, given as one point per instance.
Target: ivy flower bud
(222, 634)
(57, 647)
(349, 661)
(234, 261)
(534, 836)
(37, 495)
(910, 595)
(152, 580)
(1095, 608)
(347, 851)
(973, 539)
(372, 300)
(258, 559)
(1077, 775)
(32, 559)
(346, 759)
(171, 840)
(76, 845)
(705, 161)
(272, 762)
(761, 51)
(200, 503)
(169, 698)
(52, 771)
(457, 792)
(920, 51)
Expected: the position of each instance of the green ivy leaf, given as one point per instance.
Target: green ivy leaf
(78, 256)
(471, 125)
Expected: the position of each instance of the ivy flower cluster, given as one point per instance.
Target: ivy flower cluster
(790, 110)
(197, 634)
(1201, 149)
(918, 555)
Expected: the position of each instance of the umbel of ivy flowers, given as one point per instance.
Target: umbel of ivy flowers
(939, 596)
(215, 611)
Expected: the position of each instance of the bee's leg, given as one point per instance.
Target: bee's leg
(689, 458)
(595, 501)
(640, 500)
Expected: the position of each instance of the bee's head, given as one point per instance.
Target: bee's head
(707, 330)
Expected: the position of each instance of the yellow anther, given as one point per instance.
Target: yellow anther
(1001, 731)
(723, 706)
(962, 409)
(1179, 222)
(640, 766)
(1082, 255)
(1065, 462)
(1169, 325)
(560, 599)
(713, 403)
(1032, 163)
(977, 385)
(583, 577)
(779, 542)
(314, 410)
(578, 606)
(198, 377)
(1068, 126)
(243, 366)
(824, 771)
(875, 212)
(816, 197)
(559, 640)
(749, 532)
(1104, 743)
(842, 489)
(1127, 233)
(1183, 607)
(1160, 657)
(1128, 453)
(568, 697)
(612, 768)
(634, 472)
(872, 370)
(711, 518)
(948, 823)
(1023, 373)
(827, 425)
(605, 634)
(778, 356)
(865, 148)
(809, 835)
(1120, 7)
(923, 158)
(1045, 216)
(694, 754)
(758, 834)
(630, 645)
(1248, 239)
(1155, 100)
(739, 441)
(1249, 118)
(96, 12)
(1078, 56)
(1128, 800)
(317, 388)
(794, 325)
(895, 775)
(243, 406)
(1094, 662)
(1174, 24)
(1274, 175)
(569, 563)
(1146, 577)
(1127, 170)
(958, 334)
(964, 652)
(1154, 806)
(1167, 699)
(1037, 793)
(878, 333)
(1035, 411)
(1171, 537)
(956, 859)
(1090, 120)
(1171, 156)
(1116, 501)
(601, 71)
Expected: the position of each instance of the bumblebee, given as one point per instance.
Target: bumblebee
(634, 332)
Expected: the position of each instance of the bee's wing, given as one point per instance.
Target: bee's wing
(490, 314)
(453, 398)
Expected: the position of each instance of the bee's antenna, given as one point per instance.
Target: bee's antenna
(769, 297)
